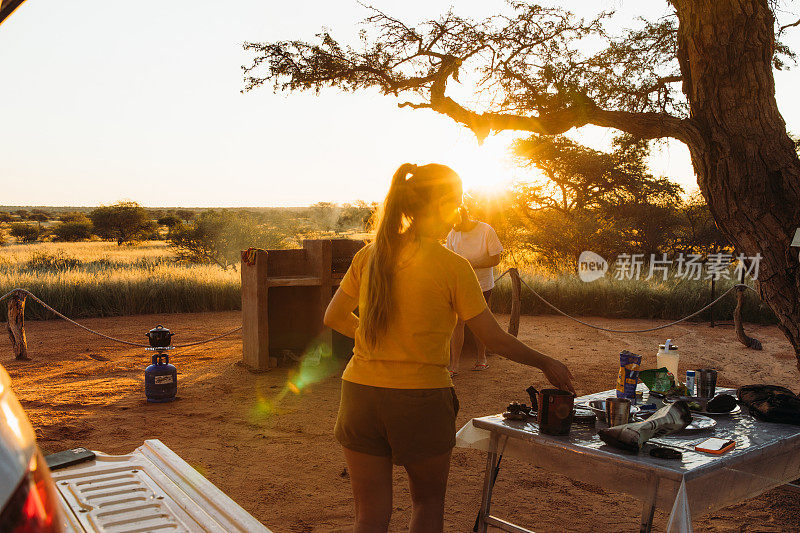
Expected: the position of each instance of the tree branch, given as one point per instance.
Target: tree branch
(643, 125)
(787, 26)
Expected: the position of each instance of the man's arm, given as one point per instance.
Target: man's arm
(486, 261)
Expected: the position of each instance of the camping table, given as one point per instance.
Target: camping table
(766, 456)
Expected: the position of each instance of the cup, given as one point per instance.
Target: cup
(618, 411)
(706, 382)
(556, 410)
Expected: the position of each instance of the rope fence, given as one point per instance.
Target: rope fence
(114, 339)
(611, 330)
(741, 286)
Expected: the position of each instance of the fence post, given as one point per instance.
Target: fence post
(513, 323)
(16, 325)
(713, 295)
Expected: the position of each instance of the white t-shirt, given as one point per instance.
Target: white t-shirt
(474, 245)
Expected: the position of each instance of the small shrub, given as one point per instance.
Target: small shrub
(24, 232)
(73, 231)
(52, 261)
(39, 215)
(74, 216)
(169, 221)
(218, 237)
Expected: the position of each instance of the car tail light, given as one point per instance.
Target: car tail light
(33, 507)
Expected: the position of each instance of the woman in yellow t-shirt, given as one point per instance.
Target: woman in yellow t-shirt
(398, 404)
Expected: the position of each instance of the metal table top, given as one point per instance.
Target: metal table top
(753, 438)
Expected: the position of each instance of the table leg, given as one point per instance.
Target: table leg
(486, 497)
(649, 509)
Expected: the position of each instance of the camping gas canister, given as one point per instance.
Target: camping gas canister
(160, 379)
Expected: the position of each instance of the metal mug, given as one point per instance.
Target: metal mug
(618, 411)
(556, 411)
(706, 380)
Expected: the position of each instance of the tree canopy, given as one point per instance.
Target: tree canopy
(539, 69)
(125, 222)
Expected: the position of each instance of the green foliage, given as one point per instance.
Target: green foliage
(5, 216)
(605, 202)
(24, 232)
(169, 220)
(219, 236)
(699, 232)
(39, 215)
(355, 217)
(528, 61)
(185, 214)
(74, 216)
(125, 222)
(73, 231)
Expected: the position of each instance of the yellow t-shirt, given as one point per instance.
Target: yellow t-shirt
(432, 285)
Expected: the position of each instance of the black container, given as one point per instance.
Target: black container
(556, 410)
(159, 336)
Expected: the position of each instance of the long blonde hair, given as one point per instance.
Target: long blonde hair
(413, 191)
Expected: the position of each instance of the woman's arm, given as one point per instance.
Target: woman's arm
(339, 314)
(486, 328)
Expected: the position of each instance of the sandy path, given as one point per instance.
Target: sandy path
(283, 465)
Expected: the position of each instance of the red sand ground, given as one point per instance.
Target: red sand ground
(287, 469)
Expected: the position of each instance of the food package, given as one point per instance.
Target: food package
(628, 375)
(630, 437)
(658, 379)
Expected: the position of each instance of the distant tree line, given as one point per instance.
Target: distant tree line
(213, 236)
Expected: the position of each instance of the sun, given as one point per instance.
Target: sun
(485, 168)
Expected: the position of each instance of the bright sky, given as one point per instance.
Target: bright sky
(103, 101)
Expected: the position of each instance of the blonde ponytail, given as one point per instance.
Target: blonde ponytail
(412, 189)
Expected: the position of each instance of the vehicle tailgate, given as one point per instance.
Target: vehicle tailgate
(151, 489)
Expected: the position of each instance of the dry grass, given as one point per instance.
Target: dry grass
(103, 279)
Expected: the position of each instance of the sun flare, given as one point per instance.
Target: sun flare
(486, 168)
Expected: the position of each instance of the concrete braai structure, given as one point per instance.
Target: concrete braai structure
(284, 296)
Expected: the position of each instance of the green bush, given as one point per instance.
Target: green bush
(125, 222)
(24, 232)
(169, 220)
(218, 237)
(73, 231)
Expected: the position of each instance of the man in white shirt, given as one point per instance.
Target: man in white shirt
(477, 242)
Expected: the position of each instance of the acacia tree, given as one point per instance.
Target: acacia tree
(703, 76)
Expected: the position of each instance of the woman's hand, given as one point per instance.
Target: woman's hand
(558, 374)
(486, 328)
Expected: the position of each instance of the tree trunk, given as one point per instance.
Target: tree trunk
(748, 341)
(16, 325)
(746, 164)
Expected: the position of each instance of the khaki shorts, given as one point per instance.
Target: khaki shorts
(407, 425)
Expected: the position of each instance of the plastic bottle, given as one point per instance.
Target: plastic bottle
(668, 357)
